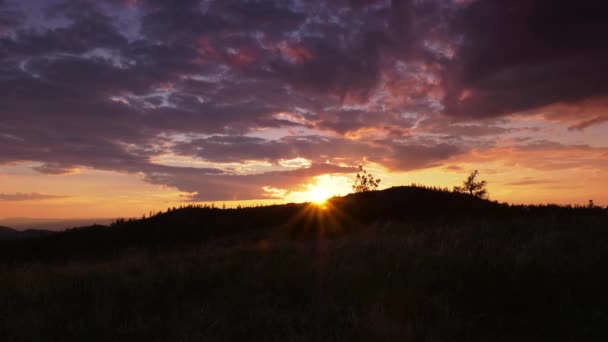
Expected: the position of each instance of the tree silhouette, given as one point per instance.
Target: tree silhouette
(472, 187)
(365, 181)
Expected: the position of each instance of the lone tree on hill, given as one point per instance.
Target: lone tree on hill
(365, 181)
(472, 187)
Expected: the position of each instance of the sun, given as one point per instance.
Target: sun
(320, 189)
(318, 195)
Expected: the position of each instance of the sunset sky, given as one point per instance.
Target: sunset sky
(114, 108)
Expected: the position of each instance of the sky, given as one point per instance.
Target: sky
(114, 108)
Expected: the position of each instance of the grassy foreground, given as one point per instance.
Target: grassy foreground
(477, 283)
(522, 279)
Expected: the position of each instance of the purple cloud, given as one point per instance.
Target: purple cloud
(520, 55)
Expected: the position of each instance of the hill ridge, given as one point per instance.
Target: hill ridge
(340, 215)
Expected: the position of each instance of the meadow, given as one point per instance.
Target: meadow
(401, 264)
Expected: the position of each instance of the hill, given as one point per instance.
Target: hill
(406, 263)
(195, 224)
(339, 216)
(7, 233)
(13, 234)
(54, 224)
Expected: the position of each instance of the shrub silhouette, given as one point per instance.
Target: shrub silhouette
(472, 187)
(365, 181)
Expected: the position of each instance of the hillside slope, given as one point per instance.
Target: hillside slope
(14, 234)
(340, 215)
(404, 264)
(7, 233)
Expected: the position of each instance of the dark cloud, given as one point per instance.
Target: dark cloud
(408, 154)
(9, 17)
(114, 85)
(411, 156)
(441, 125)
(88, 29)
(520, 55)
(315, 148)
(187, 21)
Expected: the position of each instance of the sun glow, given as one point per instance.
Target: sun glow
(321, 188)
(319, 195)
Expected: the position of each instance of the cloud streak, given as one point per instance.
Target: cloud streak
(32, 196)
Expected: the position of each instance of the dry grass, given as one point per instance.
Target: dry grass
(482, 281)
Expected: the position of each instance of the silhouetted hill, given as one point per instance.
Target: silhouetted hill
(13, 234)
(406, 203)
(341, 215)
(54, 224)
(403, 264)
(7, 233)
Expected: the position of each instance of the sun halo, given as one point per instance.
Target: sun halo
(319, 195)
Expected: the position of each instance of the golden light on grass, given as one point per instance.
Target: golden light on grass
(320, 219)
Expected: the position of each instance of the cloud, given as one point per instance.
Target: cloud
(520, 55)
(9, 18)
(32, 196)
(587, 123)
(55, 169)
(542, 155)
(441, 125)
(319, 149)
(531, 181)
(114, 85)
(454, 168)
(409, 156)
(239, 187)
